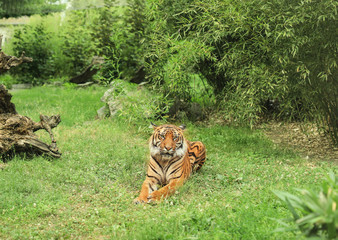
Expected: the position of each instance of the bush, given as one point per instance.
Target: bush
(8, 80)
(119, 32)
(41, 40)
(249, 52)
(34, 40)
(78, 46)
(134, 104)
(58, 48)
(313, 54)
(315, 214)
(17, 8)
(228, 44)
(106, 33)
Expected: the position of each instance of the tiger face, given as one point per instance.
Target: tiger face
(167, 142)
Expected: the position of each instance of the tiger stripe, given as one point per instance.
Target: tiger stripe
(172, 160)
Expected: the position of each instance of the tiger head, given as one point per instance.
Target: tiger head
(167, 142)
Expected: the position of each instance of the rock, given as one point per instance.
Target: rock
(103, 112)
(22, 86)
(110, 97)
(180, 110)
(114, 107)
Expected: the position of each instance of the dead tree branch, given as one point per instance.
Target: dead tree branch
(17, 131)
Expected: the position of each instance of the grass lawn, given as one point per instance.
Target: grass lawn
(88, 192)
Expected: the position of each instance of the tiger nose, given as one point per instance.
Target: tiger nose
(168, 148)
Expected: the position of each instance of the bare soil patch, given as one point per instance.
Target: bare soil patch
(306, 139)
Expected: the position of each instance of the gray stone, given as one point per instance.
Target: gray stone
(181, 110)
(110, 97)
(22, 86)
(103, 112)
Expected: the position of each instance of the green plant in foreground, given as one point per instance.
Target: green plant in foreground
(319, 210)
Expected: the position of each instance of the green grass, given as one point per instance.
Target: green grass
(88, 192)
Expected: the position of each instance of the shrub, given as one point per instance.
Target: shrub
(17, 8)
(106, 33)
(78, 44)
(7, 80)
(58, 48)
(34, 40)
(249, 52)
(313, 51)
(120, 33)
(315, 214)
(40, 39)
(228, 44)
(134, 104)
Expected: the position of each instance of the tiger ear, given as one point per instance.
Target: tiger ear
(182, 126)
(152, 125)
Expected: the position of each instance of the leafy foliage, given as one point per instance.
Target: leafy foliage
(249, 52)
(34, 40)
(16, 8)
(225, 42)
(7, 80)
(78, 45)
(120, 33)
(59, 47)
(135, 104)
(308, 36)
(319, 215)
(79, 36)
(108, 40)
(83, 4)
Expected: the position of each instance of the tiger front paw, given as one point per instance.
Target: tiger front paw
(141, 200)
(155, 197)
(138, 201)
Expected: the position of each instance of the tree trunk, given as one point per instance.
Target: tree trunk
(7, 62)
(89, 72)
(17, 131)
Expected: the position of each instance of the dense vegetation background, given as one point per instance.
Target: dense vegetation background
(16, 8)
(242, 60)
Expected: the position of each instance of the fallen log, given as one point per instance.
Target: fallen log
(89, 71)
(17, 131)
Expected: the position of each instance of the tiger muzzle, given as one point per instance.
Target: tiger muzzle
(167, 153)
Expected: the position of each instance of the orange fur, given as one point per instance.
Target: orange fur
(172, 160)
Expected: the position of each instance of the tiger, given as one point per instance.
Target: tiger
(172, 161)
